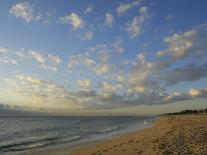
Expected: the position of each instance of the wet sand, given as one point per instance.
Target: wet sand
(181, 134)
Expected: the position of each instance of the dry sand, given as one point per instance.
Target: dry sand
(181, 134)
(177, 135)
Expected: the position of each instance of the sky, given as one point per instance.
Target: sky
(99, 57)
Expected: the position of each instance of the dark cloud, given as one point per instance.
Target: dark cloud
(189, 72)
(8, 110)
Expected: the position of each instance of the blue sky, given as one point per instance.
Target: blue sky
(100, 57)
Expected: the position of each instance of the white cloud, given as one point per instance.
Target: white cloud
(88, 35)
(117, 45)
(84, 84)
(8, 60)
(80, 59)
(134, 28)
(123, 8)
(109, 19)
(107, 87)
(89, 9)
(38, 57)
(180, 45)
(25, 12)
(3, 50)
(54, 59)
(104, 68)
(72, 19)
(49, 62)
(89, 62)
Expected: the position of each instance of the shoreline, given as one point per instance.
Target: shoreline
(67, 148)
(175, 134)
(161, 138)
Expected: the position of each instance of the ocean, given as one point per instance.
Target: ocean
(22, 134)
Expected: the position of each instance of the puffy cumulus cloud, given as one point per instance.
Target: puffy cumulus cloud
(189, 72)
(88, 35)
(72, 19)
(134, 28)
(140, 71)
(8, 60)
(80, 59)
(117, 45)
(107, 87)
(21, 53)
(3, 50)
(38, 57)
(114, 46)
(181, 45)
(24, 11)
(54, 59)
(49, 62)
(84, 84)
(89, 9)
(109, 19)
(89, 62)
(123, 8)
(103, 68)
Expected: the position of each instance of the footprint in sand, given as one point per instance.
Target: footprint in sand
(131, 141)
(105, 150)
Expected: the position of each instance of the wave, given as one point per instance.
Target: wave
(26, 145)
(109, 129)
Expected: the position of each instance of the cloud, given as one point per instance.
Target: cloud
(117, 45)
(134, 28)
(89, 9)
(193, 92)
(38, 57)
(88, 35)
(80, 59)
(54, 59)
(8, 60)
(9, 110)
(3, 50)
(103, 68)
(73, 19)
(84, 84)
(108, 97)
(24, 11)
(169, 17)
(123, 8)
(49, 62)
(190, 72)
(89, 62)
(181, 45)
(107, 87)
(109, 19)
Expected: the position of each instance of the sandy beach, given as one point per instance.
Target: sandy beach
(170, 134)
(180, 134)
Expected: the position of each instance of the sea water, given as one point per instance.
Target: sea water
(20, 134)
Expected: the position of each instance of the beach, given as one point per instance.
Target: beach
(173, 134)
